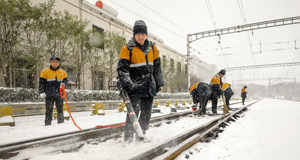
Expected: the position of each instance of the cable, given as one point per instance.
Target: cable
(161, 16)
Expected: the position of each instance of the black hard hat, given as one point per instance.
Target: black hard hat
(54, 57)
(223, 71)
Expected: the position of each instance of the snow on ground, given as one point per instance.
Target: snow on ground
(269, 131)
(32, 127)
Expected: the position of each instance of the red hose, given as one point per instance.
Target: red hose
(63, 95)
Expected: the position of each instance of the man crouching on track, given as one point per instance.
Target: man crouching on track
(50, 81)
(201, 92)
(139, 72)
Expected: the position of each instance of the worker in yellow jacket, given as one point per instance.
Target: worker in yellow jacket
(50, 81)
(216, 83)
(227, 93)
(244, 94)
(140, 75)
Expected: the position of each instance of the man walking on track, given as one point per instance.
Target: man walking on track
(140, 75)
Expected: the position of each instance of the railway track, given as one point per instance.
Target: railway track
(172, 147)
(79, 138)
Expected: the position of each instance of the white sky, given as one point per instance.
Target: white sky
(172, 20)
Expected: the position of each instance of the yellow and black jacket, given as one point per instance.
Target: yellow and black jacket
(136, 66)
(50, 81)
(227, 90)
(244, 93)
(216, 83)
(200, 92)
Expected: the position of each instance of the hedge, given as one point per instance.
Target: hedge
(32, 95)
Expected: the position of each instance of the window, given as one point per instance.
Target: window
(179, 67)
(71, 74)
(22, 76)
(186, 69)
(164, 61)
(98, 80)
(98, 36)
(172, 65)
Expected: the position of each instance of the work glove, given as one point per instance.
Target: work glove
(43, 95)
(158, 89)
(137, 86)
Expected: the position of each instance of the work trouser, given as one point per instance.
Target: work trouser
(243, 100)
(214, 105)
(49, 109)
(202, 106)
(143, 105)
(227, 98)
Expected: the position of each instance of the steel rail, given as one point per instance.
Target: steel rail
(12, 149)
(192, 136)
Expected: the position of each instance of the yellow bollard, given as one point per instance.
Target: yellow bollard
(183, 103)
(122, 107)
(168, 103)
(98, 109)
(177, 103)
(191, 102)
(6, 116)
(156, 103)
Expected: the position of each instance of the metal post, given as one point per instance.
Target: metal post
(188, 58)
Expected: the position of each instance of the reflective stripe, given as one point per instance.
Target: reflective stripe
(140, 64)
(51, 79)
(60, 80)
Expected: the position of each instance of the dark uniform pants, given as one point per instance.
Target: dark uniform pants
(214, 105)
(227, 98)
(243, 99)
(143, 105)
(49, 109)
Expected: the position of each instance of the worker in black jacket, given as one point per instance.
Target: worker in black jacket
(227, 93)
(140, 75)
(200, 92)
(50, 81)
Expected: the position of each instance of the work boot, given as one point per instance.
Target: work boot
(60, 117)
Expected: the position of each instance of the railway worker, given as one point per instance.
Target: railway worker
(244, 94)
(216, 84)
(50, 81)
(200, 92)
(139, 73)
(227, 93)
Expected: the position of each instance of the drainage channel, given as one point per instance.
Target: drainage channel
(172, 147)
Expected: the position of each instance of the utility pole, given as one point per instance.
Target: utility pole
(188, 59)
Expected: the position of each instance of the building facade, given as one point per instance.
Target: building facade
(102, 20)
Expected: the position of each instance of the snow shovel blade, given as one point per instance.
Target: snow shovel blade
(225, 109)
(131, 113)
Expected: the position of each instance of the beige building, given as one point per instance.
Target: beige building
(102, 20)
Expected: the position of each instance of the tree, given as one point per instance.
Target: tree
(34, 39)
(113, 42)
(12, 16)
(59, 32)
(80, 47)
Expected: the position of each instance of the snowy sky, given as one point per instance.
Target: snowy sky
(172, 20)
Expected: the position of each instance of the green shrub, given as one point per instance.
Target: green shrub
(32, 95)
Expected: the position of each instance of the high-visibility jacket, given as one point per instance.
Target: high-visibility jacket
(216, 79)
(227, 90)
(216, 83)
(50, 80)
(200, 92)
(244, 93)
(138, 67)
